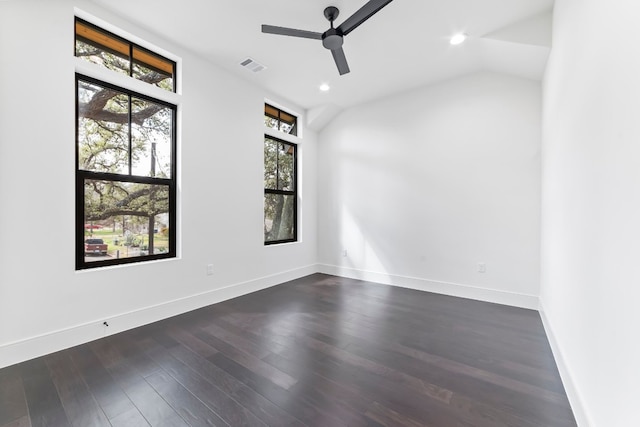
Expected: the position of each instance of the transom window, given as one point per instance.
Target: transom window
(101, 47)
(275, 118)
(125, 157)
(280, 191)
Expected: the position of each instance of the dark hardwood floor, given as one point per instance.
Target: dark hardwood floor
(318, 351)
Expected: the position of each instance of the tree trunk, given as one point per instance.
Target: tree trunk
(277, 219)
(152, 221)
(286, 223)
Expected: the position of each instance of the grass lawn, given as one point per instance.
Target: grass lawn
(160, 242)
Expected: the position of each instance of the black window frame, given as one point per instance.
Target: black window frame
(82, 175)
(293, 192)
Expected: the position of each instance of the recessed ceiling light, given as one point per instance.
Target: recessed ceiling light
(324, 87)
(458, 39)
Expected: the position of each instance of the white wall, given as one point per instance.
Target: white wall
(590, 281)
(420, 187)
(44, 303)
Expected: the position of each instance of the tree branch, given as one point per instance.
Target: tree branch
(118, 212)
(95, 108)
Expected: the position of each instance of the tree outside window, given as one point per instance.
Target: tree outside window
(125, 156)
(280, 191)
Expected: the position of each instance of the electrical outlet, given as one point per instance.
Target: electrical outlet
(482, 267)
(209, 269)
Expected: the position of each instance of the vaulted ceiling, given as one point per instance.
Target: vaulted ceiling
(405, 45)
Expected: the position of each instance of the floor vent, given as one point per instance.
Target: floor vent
(252, 65)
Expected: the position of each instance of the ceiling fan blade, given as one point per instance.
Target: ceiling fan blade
(361, 15)
(270, 29)
(341, 60)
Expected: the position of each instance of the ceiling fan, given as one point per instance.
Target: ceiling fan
(332, 39)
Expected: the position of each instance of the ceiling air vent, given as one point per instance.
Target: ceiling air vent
(252, 65)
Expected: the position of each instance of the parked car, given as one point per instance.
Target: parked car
(95, 246)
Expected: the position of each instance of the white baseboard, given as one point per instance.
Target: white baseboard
(580, 411)
(29, 348)
(445, 288)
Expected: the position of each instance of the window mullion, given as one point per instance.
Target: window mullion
(130, 131)
(278, 165)
(131, 59)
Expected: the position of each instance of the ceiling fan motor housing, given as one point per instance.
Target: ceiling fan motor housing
(332, 39)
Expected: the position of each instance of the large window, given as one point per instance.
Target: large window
(280, 191)
(125, 160)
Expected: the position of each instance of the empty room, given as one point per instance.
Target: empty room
(303, 213)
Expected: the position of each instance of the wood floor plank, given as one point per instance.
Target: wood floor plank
(129, 418)
(13, 404)
(295, 404)
(428, 390)
(192, 410)
(108, 351)
(190, 341)
(369, 385)
(335, 397)
(79, 404)
(386, 416)
(248, 361)
(480, 374)
(20, 422)
(111, 398)
(237, 341)
(254, 327)
(259, 405)
(150, 404)
(216, 399)
(45, 408)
